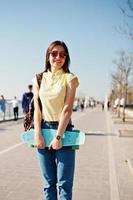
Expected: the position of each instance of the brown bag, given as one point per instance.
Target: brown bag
(29, 117)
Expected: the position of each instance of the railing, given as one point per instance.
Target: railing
(9, 112)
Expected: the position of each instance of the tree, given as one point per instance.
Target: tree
(121, 78)
(127, 27)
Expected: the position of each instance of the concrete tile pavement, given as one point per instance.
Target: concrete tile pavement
(123, 154)
(92, 170)
(21, 177)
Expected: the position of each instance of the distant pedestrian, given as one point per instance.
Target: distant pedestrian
(86, 103)
(15, 104)
(117, 102)
(92, 104)
(122, 102)
(108, 105)
(26, 99)
(3, 105)
(102, 105)
(82, 106)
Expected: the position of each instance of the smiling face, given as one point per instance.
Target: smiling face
(57, 57)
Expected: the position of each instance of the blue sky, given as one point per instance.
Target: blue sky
(87, 27)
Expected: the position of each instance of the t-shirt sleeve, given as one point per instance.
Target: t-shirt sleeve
(70, 77)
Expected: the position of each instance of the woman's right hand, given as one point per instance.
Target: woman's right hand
(39, 141)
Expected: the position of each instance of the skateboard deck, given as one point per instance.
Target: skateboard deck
(70, 138)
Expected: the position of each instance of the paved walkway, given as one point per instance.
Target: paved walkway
(102, 170)
(104, 157)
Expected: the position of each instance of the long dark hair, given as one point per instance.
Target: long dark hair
(65, 67)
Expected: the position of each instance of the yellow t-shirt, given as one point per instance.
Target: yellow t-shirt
(52, 93)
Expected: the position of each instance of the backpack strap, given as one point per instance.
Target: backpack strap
(39, 78)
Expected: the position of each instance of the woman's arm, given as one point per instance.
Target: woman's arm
(39, 140)
(68, 106)
(66, 113)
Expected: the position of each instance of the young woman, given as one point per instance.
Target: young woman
(57, 94)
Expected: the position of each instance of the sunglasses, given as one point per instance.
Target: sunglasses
(61, 54)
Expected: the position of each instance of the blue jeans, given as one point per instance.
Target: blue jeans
(57, 167)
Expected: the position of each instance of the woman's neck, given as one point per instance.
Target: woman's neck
(53, 69)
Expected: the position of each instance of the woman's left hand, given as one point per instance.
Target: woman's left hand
(55, 144)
